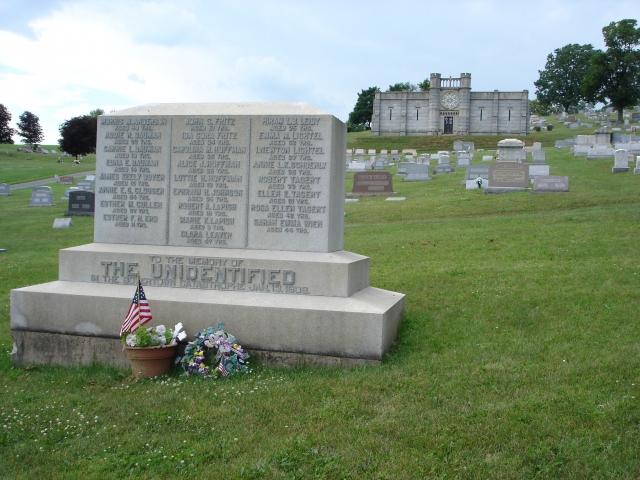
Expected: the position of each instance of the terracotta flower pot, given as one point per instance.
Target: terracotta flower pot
(151, 361)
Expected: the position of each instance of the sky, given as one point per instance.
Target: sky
(64, 58)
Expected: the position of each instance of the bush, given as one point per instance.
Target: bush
(537, 128)
(549, 128)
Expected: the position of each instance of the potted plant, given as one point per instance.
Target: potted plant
(151, 350)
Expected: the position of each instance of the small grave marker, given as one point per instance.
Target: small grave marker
(372, 183)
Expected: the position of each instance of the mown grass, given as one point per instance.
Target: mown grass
(18, 167)
(518, 355)
(444, 142)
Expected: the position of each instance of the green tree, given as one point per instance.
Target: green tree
(360, 117)
(96, 112)
(5, 130)
(79, 135)
(29, 129)
(614, 75)
(561, 82)
(538, 108)
(402, 87)
(424, 85)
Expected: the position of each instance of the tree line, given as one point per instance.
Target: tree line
(77, 135)
(573, 76)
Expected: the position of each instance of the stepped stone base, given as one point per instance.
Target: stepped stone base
(315, 329)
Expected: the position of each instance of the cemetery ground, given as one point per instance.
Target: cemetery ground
(518, 355)
(18, 167)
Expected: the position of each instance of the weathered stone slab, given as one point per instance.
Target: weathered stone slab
(550, 184)
(538, 170)
(511, 150)
(132, 175)
(361, 326)
(508, 175)
(337, 274)
(41, 197)
(475, 171)
(621, 161)
(416, 172)
(59, 223)
(372, 183)
(65, 180)
(209, 181)
(5, 189)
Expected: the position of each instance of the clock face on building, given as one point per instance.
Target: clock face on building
(450, 100)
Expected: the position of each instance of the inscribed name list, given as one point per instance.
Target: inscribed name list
(132, 173)
(209, 177)
(290, 183)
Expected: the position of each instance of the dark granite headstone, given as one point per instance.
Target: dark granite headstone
(372, 183)
(81, 202)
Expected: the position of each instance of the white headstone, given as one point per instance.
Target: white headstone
(61, 222)
(621, 161)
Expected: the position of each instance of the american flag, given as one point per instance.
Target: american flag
(139, 312)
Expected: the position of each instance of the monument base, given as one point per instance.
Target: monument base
(77, 323)
(79, 350)
(619, 169)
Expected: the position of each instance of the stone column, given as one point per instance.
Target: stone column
(464, 110)
(375, 118)
(434, 105)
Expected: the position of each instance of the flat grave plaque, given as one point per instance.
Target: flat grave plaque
(551, 184)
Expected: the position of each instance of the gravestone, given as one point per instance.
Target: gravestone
(372, 183)
(550, 184)
(538, 156)
(87, 185)
(357, 166)
(475, 171)
(228, 213)
(379, 164)
(81, 202)
(537, 170)
(621, 161)
(66, 180)
(511, 150)
(487, 158)
(61, 223)
(463, 159)
(402, 168)
(41, 197)
(444, 165)
(371, 151)
(569, 142)
(68, 191)
(636, 171)
(476, 183)
(416, 172)
(5, 189)
(507, 176)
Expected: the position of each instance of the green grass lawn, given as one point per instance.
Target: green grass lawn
(444, 142)
(518, 355)
(18, 167)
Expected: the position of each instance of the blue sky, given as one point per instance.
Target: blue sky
(59, 59)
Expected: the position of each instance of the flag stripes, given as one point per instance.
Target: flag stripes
(139, 312)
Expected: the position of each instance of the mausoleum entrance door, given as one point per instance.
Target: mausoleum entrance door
(448, 125)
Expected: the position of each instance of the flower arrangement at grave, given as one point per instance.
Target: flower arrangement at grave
(158, 336)
(214, 353)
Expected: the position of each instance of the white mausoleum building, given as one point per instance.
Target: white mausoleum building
(450, 107)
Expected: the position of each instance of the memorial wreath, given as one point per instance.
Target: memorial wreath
(214, 353)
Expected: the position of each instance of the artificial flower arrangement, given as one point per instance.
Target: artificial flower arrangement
(158, 336)
(214, 353)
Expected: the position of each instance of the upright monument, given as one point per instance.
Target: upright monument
(228, 213)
